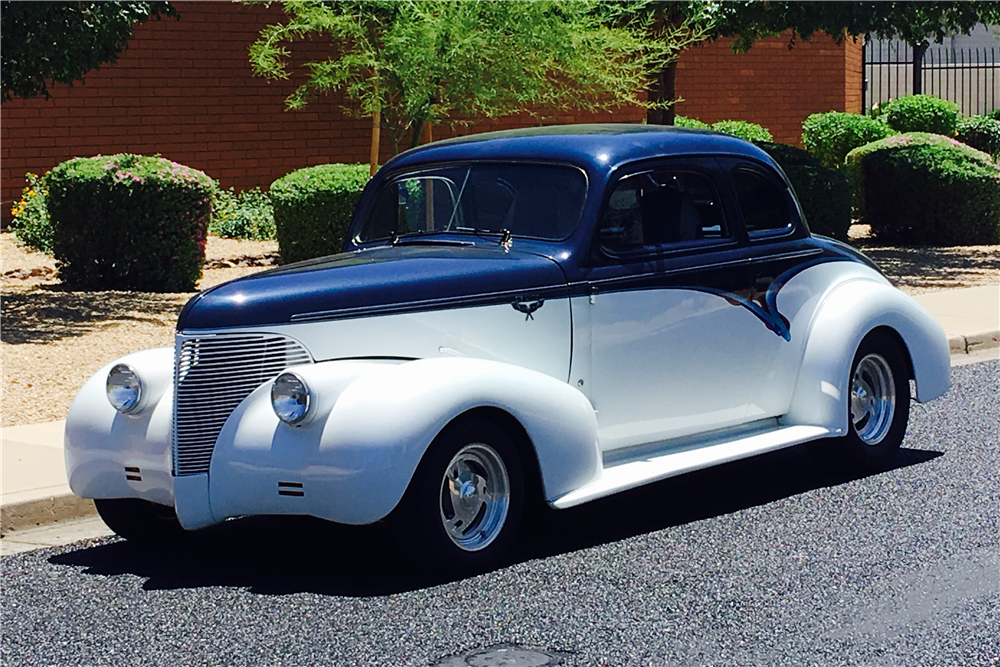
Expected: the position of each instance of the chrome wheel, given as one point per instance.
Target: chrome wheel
(873, 399)
(475, 497)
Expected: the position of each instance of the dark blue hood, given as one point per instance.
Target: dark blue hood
(376, 281)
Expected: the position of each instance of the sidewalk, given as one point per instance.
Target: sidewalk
(34, 491)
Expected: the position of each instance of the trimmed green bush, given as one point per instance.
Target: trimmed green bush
(31, 223)
(684, 121)
(824, 194)
(982, 133)
(927, 189)
(995, 114)
(129, 222)
(313, 208)
(243, 215)
(922, 113)
(832, 135)
(743, 129)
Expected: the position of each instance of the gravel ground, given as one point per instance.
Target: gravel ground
(53, 339)
(772, 561)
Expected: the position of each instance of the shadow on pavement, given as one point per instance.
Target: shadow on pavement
(283, 555)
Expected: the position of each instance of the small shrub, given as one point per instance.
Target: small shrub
(995, 114)
(922, 113)
(824, 194)
(243, 215)
(31, 223)
(684, 121)
(743, 129)
(832, 135)
(313, 208)
(129, 222)
(982, 133)
(927, 189)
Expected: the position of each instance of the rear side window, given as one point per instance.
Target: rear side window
(764, 206)
(661, 208)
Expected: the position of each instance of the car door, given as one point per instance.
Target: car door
(674, 346)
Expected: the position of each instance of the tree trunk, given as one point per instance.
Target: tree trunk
(376, 137)
(418, 130)
(663, 90)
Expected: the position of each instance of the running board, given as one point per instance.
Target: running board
(632, 472)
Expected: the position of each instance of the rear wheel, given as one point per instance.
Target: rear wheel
(139, 520)
(464, 504)
(879, 400)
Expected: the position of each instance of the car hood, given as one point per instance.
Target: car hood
(376, 281)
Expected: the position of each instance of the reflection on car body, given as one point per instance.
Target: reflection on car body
(557, 313)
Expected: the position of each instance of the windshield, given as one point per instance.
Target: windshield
(534, 201)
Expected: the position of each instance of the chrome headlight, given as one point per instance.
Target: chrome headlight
(290, 398)
(124, 388)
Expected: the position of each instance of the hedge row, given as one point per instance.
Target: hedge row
(129, 222)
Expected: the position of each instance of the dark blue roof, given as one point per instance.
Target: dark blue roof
(596, 147)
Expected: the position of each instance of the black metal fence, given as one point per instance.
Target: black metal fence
(969, 77)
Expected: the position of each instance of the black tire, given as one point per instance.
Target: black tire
(446, 517)
(878, 403)
(140, 521)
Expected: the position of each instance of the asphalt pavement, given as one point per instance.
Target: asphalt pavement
(772, 561)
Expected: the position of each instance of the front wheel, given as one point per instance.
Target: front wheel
(879, 401)
(464, 504)
(139, 520)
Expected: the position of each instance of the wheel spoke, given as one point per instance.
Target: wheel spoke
(475, 497)
(873, 399)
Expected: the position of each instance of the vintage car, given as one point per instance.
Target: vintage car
(544, 315)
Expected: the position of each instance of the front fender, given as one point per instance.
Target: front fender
(845, 317)
(373, 422)
(100, 442)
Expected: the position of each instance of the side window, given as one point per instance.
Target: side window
(661, 207)
(764, 206)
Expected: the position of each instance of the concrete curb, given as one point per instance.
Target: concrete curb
(974, 343)
(43, 512)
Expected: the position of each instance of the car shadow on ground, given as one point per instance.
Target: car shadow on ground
(283, 555)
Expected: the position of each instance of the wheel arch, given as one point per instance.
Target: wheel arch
(530, 467)
(846, 316)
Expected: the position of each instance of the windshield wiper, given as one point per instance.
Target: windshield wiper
(506, 237)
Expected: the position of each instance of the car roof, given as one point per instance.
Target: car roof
(598, 147)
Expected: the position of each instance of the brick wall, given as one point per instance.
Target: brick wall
(770, 84)
(184, 89)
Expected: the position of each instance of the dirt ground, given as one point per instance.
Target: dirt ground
(52, 339)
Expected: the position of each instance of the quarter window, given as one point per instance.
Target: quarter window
(661, 207)
(764, 206)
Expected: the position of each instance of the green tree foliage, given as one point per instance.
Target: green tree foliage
(415, 62)
(913, 22)
(61, 41)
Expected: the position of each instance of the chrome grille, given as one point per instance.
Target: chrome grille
(213, 374)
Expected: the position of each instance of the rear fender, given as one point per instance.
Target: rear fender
(845, 317)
